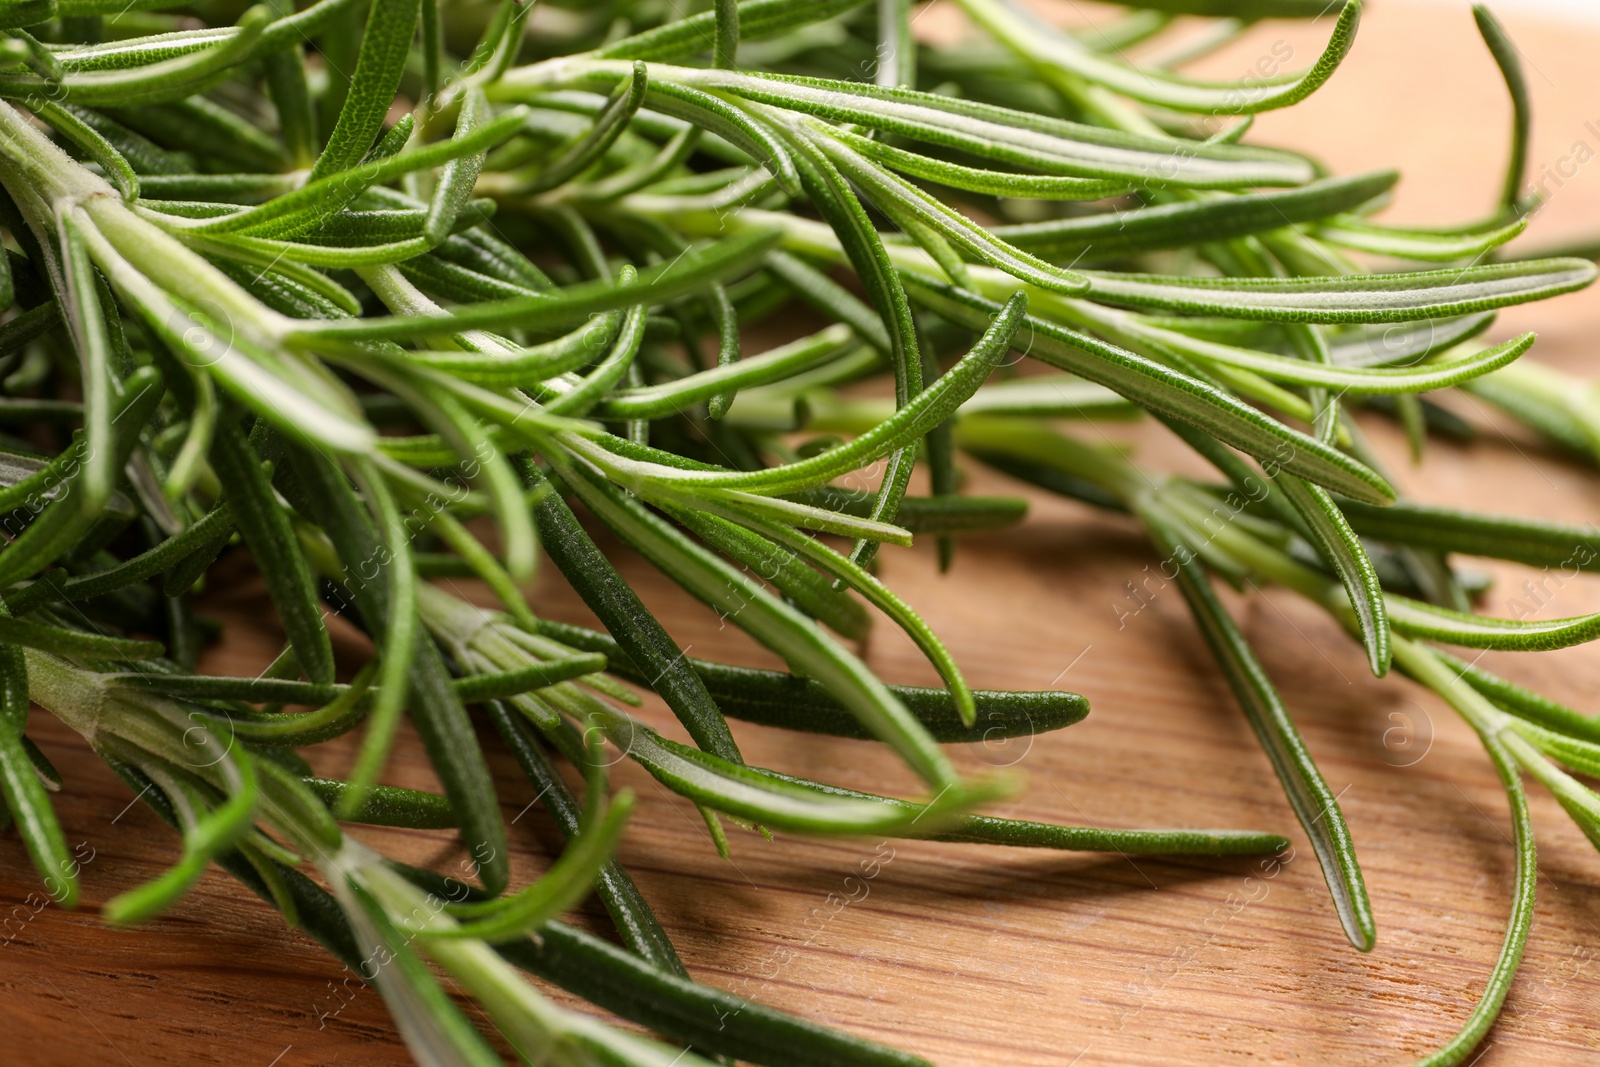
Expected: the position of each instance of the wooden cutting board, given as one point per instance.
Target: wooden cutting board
(971, 955)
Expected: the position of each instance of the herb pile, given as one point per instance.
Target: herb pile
(261, 301)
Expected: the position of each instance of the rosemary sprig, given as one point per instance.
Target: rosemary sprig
(241, 301)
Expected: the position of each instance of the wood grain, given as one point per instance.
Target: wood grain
(977, 956)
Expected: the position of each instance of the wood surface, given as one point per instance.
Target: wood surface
(971, 955)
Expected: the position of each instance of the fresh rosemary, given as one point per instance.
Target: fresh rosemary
(246, 312)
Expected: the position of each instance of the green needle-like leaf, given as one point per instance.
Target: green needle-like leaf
(638, 633)
(1524, 703)
(1033, 142)
(1412, 243)
(385, 43)
(652, 285)
(608, 126)
(929, 408)
(1353, 298)
(767, 799)
(637, 925)
(1179, 396)
(1509, 59)
(457, 177)
(150, 83)
(1022, 833)
(1505, 751)
(432, 1021)
(810, 591)
(1536, 542)
(86, 320)
(1313, 802)
(65, 642)
(1048, 48)
(266, 528)
(89, 141)
(1416, 619)
(25, 796)
(712, 1019)
(758, 20)
(880, 597)
(435, 709)
(1184, 222)
(1343, 550)
(564, 885)
(770, 621)
(657, 401)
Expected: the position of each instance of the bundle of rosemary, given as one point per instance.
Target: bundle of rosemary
(378, 293)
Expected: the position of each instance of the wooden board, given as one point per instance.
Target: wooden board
(970, 955)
